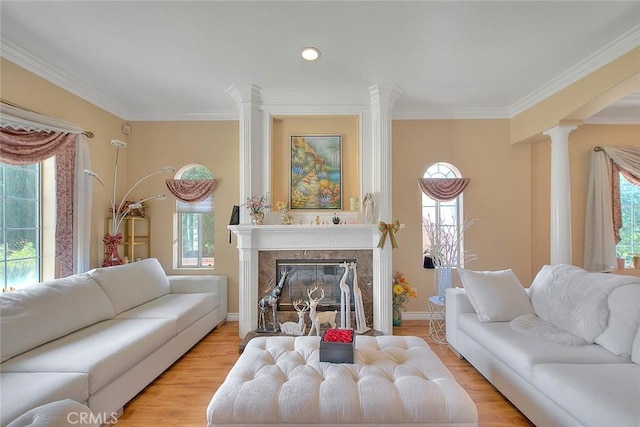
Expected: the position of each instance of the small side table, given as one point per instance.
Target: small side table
(437, 324)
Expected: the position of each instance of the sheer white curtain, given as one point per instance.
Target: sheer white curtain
(19, 119)
(600, 241)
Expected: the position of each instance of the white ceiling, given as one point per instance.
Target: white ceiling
(163, 60)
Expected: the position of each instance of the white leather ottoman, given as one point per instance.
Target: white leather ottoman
(396, 380)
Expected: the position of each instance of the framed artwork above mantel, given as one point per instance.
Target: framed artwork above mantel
(315, 172)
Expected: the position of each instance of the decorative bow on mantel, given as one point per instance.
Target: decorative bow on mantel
(391, 230)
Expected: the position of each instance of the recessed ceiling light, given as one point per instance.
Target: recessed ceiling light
(310, 53)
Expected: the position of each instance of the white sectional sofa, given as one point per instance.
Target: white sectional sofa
(540, 352)
(100, 337)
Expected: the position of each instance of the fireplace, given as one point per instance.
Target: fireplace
(260, 246)
(315, 268)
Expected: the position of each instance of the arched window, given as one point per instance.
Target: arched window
(447, 217)
(630, 215)
(195, 224)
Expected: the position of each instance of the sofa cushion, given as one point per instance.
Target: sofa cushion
(521, 352)
(185, 309)
(596, 395)
(496, 296)
(624, 319)
(23, 391)
(104, 351)
(130, 285)
(43, 310)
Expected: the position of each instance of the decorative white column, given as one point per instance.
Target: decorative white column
(560, 195)
(382, 98)
(248, 101)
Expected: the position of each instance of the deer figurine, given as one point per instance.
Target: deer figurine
(271, 300)
(323, 317)
(345, 299)
(293, 328)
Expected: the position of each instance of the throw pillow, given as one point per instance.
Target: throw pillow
(497, 296)
(574, 299)
(624, 319)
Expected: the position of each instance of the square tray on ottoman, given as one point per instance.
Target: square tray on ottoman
(338, 351)
(394, 381)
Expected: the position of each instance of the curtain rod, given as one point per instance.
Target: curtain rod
(597, 148)
(86, 133)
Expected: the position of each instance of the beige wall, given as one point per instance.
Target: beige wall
(153, 145)
(581, 142)
(498, 196)
(285, 126)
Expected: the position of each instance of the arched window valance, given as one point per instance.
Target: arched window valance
(191, 190)
(443, 189)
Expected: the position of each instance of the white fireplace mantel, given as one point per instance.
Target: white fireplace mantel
(254, 238)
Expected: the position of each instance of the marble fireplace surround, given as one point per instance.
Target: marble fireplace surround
(301, 241)
(363, 258)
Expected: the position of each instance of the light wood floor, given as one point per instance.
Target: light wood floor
(179, 397)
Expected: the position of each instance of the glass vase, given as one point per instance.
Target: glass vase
(444, 281)
(397, 316)
(257, 218)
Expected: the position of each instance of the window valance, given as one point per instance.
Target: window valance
(443, 189)
(26, 147)
(191, 190)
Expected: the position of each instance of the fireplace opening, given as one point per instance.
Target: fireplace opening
(304, 274)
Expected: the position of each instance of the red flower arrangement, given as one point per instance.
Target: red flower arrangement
(338, 335)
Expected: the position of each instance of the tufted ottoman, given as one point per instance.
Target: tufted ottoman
(396, 380)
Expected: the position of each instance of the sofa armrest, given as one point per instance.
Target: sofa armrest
(457, 302)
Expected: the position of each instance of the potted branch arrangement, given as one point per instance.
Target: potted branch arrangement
(443, 247)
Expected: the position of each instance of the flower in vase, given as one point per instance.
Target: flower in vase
(256, 204)
(402, 291)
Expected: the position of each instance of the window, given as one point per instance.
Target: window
(630, 232)
(20, 207)
(195, 225)
(446, 215)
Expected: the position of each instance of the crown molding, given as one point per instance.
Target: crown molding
(454, 113)
(24, 59)
(611, 51)
(219, 115)
(612, 121)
